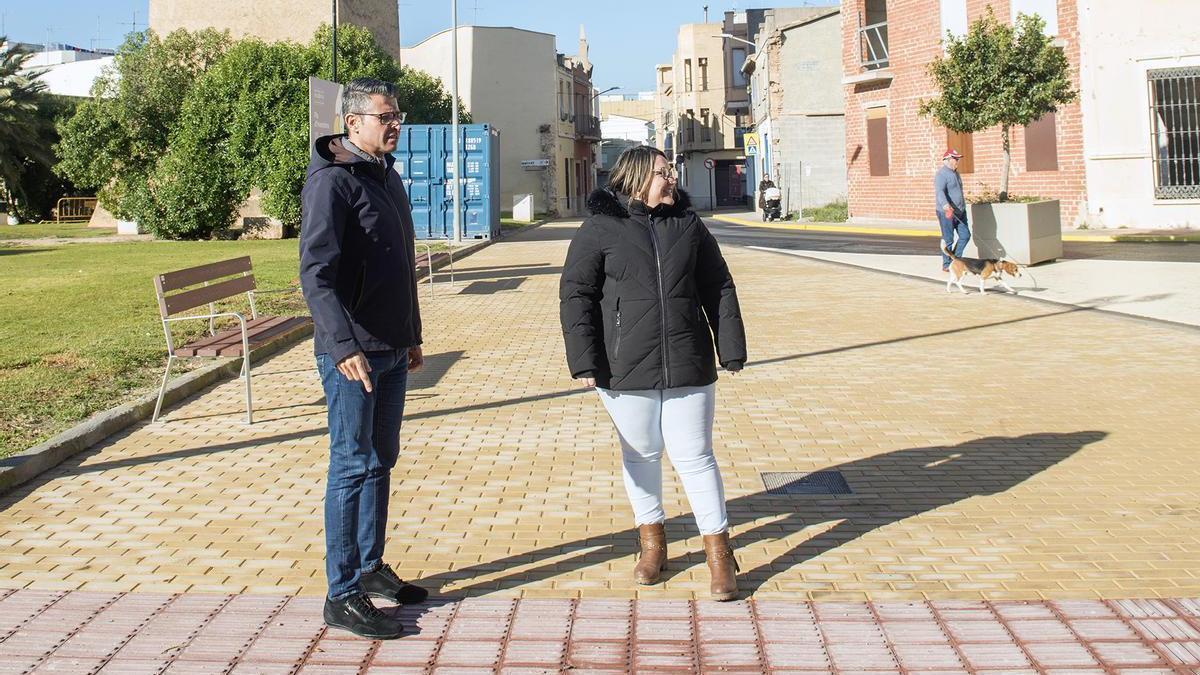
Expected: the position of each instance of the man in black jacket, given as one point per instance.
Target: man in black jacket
(359, 280)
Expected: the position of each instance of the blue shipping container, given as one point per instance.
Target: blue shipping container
(423, 162)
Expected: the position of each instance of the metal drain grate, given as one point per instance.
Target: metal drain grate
(796, 483)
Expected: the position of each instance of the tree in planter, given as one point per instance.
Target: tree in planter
(999, 75)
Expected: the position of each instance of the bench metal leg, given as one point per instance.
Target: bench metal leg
(162, 390)
(249, 404)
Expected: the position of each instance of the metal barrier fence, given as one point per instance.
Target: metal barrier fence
(75, 209)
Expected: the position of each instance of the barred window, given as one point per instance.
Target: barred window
(1175, 129)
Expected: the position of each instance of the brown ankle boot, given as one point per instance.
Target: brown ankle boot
(652, 560)
(721, 566)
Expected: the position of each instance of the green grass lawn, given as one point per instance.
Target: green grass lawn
(51, 229)
(81, 332)
(507, 222)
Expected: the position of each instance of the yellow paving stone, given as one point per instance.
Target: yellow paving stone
(997, 449)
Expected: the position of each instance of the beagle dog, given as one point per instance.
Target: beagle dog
(986, 269)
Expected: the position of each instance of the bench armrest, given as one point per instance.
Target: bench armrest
(260, 291)
(236, 315)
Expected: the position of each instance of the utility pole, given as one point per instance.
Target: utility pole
(335, 23)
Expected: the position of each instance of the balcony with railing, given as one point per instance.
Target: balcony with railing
(873, 46)
(587, 128)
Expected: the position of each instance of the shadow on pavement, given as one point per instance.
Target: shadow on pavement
(888, 488)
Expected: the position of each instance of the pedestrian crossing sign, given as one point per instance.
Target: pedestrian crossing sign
(751, 143)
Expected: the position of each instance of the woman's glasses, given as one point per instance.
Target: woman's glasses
(666, 174)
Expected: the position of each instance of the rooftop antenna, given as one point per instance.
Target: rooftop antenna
(133, 26)
(96, 40)
(706, 14)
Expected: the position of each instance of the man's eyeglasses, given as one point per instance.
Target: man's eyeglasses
(666, 174)
(387, 117)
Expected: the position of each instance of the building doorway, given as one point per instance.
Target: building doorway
(730, 177)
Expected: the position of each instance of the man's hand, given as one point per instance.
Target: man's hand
(356, 369)
(948, 211)
(416, 358)
(586, 381)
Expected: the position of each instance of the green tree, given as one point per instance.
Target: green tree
(22, 128)
(425, 98)
(245, 127)
(188, 127)
(116, 138)
(999, 75)
(40, 187)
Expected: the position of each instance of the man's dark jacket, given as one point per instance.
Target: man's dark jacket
(357, 253)
(643, 293)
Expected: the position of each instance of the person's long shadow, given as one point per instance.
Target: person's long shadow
(887, 488)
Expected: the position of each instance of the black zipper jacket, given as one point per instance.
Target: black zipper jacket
(357, 254)
(643, 294)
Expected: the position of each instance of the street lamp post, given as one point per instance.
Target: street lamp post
(604, 92)
(457, 185)
(728, 36)
(335, 22)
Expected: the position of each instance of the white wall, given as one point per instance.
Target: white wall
(1118, 47)
(506, 78)
(74, 78)
(627, 128)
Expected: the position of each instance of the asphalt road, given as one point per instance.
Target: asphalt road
(882, 244)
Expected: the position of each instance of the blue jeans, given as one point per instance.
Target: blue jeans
(950, 226)
(364, 442)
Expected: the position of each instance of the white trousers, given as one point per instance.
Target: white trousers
(681, 421)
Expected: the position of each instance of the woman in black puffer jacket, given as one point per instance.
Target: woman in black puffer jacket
(644, 292)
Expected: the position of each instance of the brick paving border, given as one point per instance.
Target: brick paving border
(88, 632)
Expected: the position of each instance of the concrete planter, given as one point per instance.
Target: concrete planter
(1025, 233)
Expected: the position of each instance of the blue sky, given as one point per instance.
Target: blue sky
(627, 37)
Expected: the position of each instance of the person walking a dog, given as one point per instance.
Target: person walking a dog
(951, 207)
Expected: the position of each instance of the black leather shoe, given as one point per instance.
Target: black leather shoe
(357, 615)
(383, 583)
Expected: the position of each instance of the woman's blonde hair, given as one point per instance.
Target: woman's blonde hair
(634, 170)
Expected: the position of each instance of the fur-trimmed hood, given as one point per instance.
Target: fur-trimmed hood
(605, 202)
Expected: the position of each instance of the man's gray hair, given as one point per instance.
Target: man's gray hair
(356, 96)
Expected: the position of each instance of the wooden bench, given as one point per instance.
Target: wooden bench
(213, 283)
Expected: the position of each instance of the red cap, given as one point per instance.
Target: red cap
(951, 152)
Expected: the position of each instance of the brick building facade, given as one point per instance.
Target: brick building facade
(892, 152)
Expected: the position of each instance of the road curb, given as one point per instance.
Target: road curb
(848, 229)
(909, 232)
